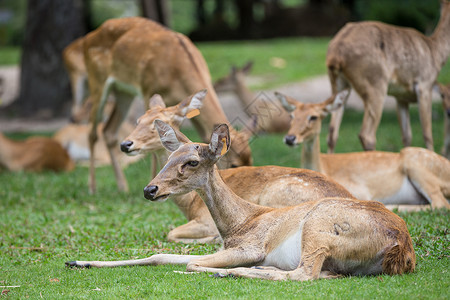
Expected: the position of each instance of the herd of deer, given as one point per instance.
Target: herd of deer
(274, 222)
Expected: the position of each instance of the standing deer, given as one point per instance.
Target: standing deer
(73, 58)
(317, 239)
(270, 116)
(445, 94)
(414, 176)
(137, 57)
(269, 186)
(34, 154)
(376, 59)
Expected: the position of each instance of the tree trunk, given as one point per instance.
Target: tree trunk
(157, 10)
(44, 85)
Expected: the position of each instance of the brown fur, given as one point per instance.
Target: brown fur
(445, 94)
(163, 62)
(35, 154)
(371, 175)
(377, 59)
(269, 185)
(270, 116)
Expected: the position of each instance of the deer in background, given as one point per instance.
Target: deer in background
(269, 185)
(414, 176)
(35, 154)
(270, 116)
(73, 58)
(325, 238)
(75, 139)
(444, 90)
(376, 59)
(131, 57)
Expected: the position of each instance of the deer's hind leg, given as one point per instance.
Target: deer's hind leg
(118, 115)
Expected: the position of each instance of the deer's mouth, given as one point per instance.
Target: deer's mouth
(161, 198)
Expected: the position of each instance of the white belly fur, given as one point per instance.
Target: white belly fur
(407, 194)
(288, 254)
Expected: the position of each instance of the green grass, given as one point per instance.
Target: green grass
(47, 219)
(304, 58)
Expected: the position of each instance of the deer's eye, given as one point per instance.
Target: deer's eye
(192, 163)
(312, 118)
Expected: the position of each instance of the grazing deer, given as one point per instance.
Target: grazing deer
(445, 94)
(137, 57)
(35, 154)
(270, 116)
(376, 59)
(74, 138)
(414, 176)
(269, 186)
(317, 239)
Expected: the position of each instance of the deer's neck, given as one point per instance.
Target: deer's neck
(440, 39)
(311, 155)
(228, 210)
(244, 93)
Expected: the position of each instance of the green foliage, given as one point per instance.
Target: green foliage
(47, 219)
(418, 14)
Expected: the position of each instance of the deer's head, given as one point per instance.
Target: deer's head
(230, 82)
(306, 118)
(444, 90)
(145, 138)
(189, 164)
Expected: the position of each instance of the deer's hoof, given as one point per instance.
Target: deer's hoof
(74, 264)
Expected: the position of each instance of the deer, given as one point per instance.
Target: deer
(272, 186)
(271, 117)
(74, 138)
(73, 59)
(413, 177)
(376, 59)
(35, 154)
(131, 57)
(444, 90)
(326, 238)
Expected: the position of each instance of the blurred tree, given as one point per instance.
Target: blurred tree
(44, 86)
(157, 10)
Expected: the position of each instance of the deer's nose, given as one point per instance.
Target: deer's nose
(125, 146)
(448, 112)
(150, 192)
(289, 140)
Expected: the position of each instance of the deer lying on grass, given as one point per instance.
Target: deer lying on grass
(34, 154)
(270, 116)
(376, 59)
(317, 239)
(414, 176)
(445, 94)
(74, 138)
(137, 57)
(269, 186)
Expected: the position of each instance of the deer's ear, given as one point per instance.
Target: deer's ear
(168, 136)
(220, 141)
(285, 101)
(247, 67)
(156, 101)
(335, 102)
(190, 107)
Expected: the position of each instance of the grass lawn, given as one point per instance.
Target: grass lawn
(47, 219)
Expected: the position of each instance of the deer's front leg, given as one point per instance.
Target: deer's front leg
(154, 260)
(195, 231)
